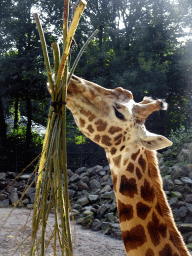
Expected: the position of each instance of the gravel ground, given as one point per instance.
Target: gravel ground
(86, 242)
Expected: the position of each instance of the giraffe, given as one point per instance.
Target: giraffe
(112, 119)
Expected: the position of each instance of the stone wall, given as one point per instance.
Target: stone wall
(93, 200)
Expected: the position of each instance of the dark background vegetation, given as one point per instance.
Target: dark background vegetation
(141, 46)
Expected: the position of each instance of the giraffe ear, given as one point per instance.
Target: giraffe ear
(153, 141)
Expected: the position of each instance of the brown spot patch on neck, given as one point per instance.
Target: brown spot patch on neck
(116, 161)
(114, 129)
(125, 211)
(134, 238)
(134, 155)
(142, 163)
(147, 192)
(149, 252)
(101, 125)
(130, 168)
(128, 187)
(167, 251)
(106, 140)
(142, 210)
(156, 230)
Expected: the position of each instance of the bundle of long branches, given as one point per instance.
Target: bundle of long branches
(52, 187)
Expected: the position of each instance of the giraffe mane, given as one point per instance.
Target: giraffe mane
(175, 236)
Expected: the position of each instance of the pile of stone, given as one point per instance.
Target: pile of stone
(11, 190)
(93, 200)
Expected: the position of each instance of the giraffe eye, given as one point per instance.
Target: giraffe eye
(119, 115)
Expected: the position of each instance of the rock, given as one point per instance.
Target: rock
(107, 188)
(88, 212)
(176, 173)
(2, 176)
(111, 217)
(29, 206)
(173, 201)
(11, 189)
(87, 221)
(75, 213)
(188, 220)
(110, 195)
(93, 198)
(25, 201)
(29, 191)
(95, 191)
(189, 207)
(167, 177)
(102, 209)
(113, 207)
(3, 197)
(71, 193)
(116, 233)
(184, 228)
(96, 226)
(98, 169)
(74, 178)
(85, 179)
(186, 180)
(105, 228)
(80, 170)
(102, 173)
(82, 185)
(107, 169)
(184, 154)
(187, 168)
(11, 175)
(69, 173)
(178, 182)
(168, 184)
(182, 211)
(108, 182)
(91, 172)
(4, 203)
(25, 177)
(94, 184)
(188, 198)
(32, 198)
(164, 169)
(14, 198)
(83, 201)
(77, 207)
(179, 189)
(187, 189)
(176, 194)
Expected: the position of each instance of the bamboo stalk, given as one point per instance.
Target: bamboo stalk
(54, 155)
(44, 48)
(67, 43)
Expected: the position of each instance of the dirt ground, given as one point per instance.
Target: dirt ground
(87, 242)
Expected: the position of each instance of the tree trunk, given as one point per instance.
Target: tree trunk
(29, 122)
(3, 124)
(16, 112)
(100, 35)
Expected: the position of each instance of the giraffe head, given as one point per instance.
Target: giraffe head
(109, 117)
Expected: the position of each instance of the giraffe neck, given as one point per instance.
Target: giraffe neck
(145, 217)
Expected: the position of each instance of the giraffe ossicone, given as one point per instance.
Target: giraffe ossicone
(112, 119)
